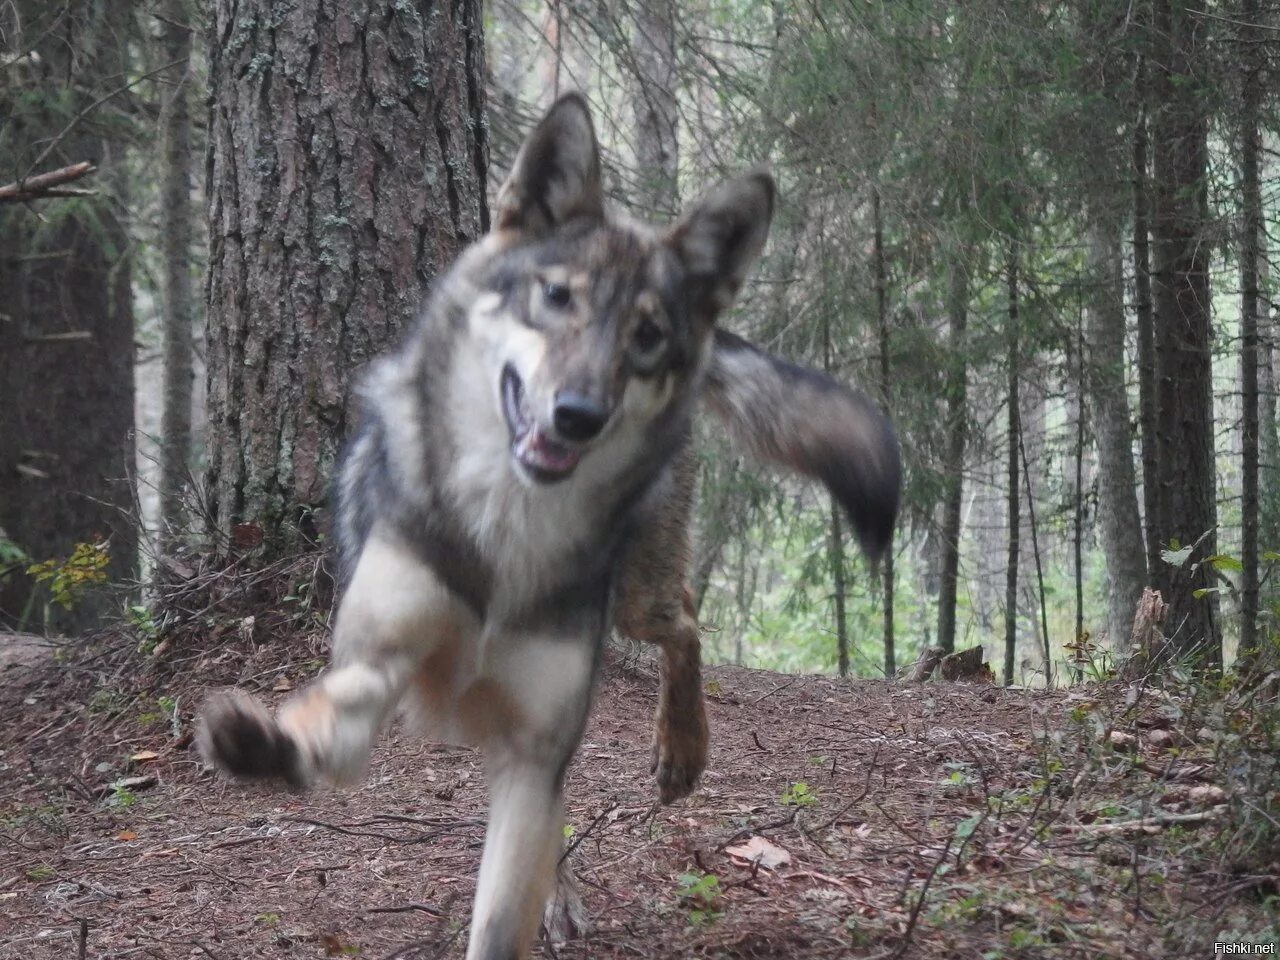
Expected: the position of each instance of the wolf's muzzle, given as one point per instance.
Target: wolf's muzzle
(578, 417)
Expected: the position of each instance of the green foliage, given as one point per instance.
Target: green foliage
(798, 794)
(699, 894)
(41, 873)
(145, 627)
(68, 579)
(11, 555)
(121, 796)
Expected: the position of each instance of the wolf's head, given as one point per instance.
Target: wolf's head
(598, 327)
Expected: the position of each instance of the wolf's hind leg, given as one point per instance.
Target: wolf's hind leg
(395, 612)
(655, 606)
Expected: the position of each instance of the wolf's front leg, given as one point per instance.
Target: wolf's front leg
(542, 696)
(394, 614)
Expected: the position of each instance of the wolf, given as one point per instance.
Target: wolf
(521, 481)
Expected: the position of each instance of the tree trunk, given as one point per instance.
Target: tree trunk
(957, 433)
(1014, 514)
(1187, 509)
(882, 326)
(1119, 526)
(347, 164)
(1250, 249)
(176, 216)
(66, 317)
(654, 107)
(837, 539)
(1077, 539)
(1146, 326)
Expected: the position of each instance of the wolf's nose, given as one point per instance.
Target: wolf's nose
(578, 417)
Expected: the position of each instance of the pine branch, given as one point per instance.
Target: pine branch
(49, 184)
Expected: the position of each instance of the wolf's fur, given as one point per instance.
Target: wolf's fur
(522, 479)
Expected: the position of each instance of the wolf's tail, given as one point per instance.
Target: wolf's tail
(806, 421)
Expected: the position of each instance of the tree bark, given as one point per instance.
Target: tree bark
(1013, 433)
(347, 161)
(1146, 325)
(1187, 510)
(176, 216)
(882, 327)
(953, 465)
(654, 107)
(1250, 249)
(1119, 526)
(66, 317)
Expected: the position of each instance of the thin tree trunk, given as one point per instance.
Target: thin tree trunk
(882, 326)
(957, 433)
(654, 106)
(837, 539)
(1013, 434)
(1187, 509)
(176, 216)
(838, 578)
(1146, 326)
(1119, 526)
(1035, 550)
(1251, 229)
(1077, 544)
(347, 163)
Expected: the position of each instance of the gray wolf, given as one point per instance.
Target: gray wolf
(521, 482)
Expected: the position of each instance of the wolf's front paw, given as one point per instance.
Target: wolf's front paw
(679, 757)
(238, 735)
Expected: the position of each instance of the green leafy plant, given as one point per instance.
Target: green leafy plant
(68, 579)
(699, 893)
(145, 627)
(799, 794)
(121, 796)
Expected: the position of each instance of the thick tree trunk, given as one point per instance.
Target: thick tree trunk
(654, 107)
(176, 214)
(1187, 509)
(347, 165)
(953, 466)
(1119, 527)
(1250, 249)
(66, 318)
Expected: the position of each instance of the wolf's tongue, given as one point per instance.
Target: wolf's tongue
(538, 450)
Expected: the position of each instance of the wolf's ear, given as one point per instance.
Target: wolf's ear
(556, 176)
(719, 238)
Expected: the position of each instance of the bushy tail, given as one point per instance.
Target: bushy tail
(806, 421)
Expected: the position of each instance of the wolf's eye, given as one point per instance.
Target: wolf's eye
(648, 336)
(557, 294)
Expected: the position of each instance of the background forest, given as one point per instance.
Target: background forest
(1042, 234)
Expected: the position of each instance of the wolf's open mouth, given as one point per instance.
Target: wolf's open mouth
(544, 459)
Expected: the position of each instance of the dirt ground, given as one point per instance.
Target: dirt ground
(936, 821)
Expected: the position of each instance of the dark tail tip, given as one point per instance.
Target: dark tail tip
(867, 482)
(239, 736)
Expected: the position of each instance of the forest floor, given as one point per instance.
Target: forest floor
(931, 820)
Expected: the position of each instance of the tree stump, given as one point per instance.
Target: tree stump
(1147, 641)
(925, 664)
(966, 665)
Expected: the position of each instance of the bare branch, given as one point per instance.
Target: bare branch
(47, 184)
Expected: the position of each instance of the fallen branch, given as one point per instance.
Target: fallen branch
(47, 184)
(1152, 824)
